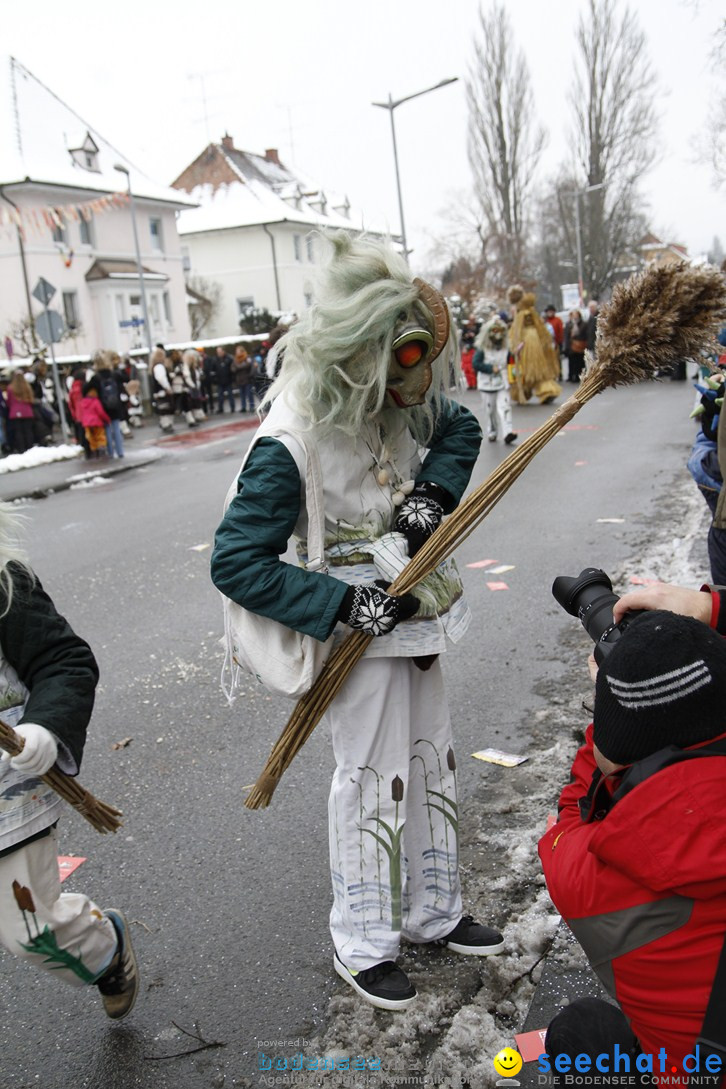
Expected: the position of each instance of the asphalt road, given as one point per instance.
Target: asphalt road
(230, 907)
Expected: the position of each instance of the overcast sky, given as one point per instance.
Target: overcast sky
(301, 77)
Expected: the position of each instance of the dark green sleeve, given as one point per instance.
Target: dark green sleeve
(453, 451)
(254, 534)
(56, 666)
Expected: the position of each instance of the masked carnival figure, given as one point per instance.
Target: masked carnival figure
(536, 361)
(490, 364)
(363, 378)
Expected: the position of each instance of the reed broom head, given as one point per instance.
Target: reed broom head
(658, 317)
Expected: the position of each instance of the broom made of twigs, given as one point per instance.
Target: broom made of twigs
(103, 817)
(656, 318)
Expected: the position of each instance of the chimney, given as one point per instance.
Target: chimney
(271, 156)
(227, 142)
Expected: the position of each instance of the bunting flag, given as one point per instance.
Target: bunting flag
(49, 217)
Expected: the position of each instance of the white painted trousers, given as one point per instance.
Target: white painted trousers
(498, 407)
(65, 934)
(393, 818)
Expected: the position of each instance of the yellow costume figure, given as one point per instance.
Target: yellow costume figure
(537, 364)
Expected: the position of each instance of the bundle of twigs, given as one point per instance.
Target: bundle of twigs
(657, 318)
(103, 817)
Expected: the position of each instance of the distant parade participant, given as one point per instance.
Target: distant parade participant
(490, 364)
(363, 383)
(537, 362)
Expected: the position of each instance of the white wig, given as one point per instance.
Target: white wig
(10, 550)
(336, 357)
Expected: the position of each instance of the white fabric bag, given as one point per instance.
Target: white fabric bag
(285, 661)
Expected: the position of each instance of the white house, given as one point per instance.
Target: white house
(66, 216)
(253, 232)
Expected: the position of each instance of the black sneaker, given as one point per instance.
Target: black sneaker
(384, 985)
(510, 438)
(120, 984)
(473, 939)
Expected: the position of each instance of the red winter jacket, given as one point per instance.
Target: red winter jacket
(92, 413)
(644, 892)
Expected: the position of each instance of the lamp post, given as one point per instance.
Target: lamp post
(578, 235)
(139, 267)
(391, 106)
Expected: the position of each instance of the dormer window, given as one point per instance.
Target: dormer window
(86, 156)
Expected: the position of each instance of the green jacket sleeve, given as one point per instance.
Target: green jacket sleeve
(254, 534)
(453, 451)
(56, 666)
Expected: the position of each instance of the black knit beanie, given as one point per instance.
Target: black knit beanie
(663, 683)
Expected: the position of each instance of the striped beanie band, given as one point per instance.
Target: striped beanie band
(663, 683)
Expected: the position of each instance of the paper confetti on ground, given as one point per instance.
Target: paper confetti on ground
(530, 1045)
(496, 756)
(67, 864)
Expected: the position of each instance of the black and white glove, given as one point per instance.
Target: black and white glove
(371, 610)
(420, 514)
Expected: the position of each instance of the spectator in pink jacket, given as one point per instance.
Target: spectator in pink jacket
(94, 418)
(21, 414)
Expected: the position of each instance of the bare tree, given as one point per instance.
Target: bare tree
(505, 143)
(714, 141)
(460, 237)
(614, 135)
(207, 296)
(23, 333)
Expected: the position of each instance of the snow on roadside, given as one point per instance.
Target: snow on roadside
(90, 481)
(468, 1009)
(38, 455)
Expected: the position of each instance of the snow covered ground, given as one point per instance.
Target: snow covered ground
(38, 455)
(466, 1012)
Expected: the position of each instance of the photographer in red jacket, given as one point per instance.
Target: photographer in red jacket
(636, 863)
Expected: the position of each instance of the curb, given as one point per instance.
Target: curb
(42, 491)
(214, 431)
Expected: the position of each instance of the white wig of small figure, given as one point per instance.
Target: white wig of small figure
(338, 356)
(10, 551)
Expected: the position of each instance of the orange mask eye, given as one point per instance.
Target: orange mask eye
(408, 355)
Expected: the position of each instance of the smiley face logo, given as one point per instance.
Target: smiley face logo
(508, 1062)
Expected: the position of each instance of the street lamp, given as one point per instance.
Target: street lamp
(139, 267)
(578, 234)
(391, 106)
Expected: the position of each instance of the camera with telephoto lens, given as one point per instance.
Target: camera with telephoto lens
(590, 597)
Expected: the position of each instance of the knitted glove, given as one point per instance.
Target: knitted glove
(370, 609)
(420, 514)
(40, 750)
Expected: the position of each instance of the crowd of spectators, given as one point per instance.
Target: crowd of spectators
(102, 401)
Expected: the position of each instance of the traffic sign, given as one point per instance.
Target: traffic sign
(43, 291)
(131, 322)
(50, 326)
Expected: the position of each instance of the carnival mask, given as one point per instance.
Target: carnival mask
(414, 349)
(497, 334)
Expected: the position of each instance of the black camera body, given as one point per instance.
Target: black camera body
(590, 597)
